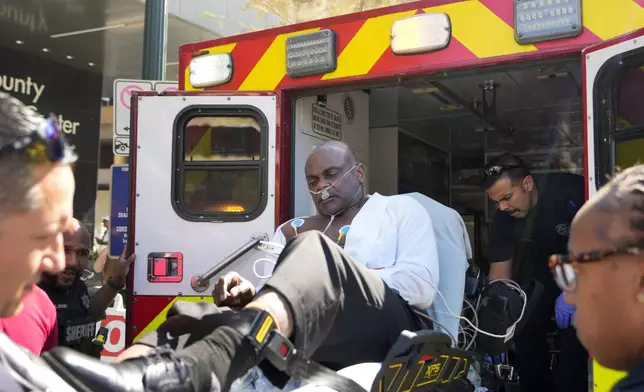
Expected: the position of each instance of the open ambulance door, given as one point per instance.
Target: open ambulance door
(613, 88)
(203, 173)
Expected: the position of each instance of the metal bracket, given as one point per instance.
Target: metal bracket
(199, 285)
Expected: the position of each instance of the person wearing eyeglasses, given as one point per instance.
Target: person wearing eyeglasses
(78, 312)
(602, 275)
(36, 206)
(531, 223)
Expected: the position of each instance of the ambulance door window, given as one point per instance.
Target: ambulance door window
(221, 170)
(629, 137)
(619, 118)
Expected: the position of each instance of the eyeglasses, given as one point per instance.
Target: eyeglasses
(44, 144)
(563, 266)
(496, 170)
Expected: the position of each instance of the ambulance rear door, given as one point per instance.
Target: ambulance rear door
(203, 184)
(613, 89)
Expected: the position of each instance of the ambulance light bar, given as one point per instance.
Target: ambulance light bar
(545, 20)
(311, 54)
(420, 34)
(211, 70)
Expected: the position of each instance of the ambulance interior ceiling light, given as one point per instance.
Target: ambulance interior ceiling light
(211, 70)
(421, 33)
(227, 207)
(545, 20)
(311, 53)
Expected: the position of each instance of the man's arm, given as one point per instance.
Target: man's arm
(500, 270)
(415, 271)
(279, 236)
(50, 319)
(101, 300)
(52, 338)
(501, 247)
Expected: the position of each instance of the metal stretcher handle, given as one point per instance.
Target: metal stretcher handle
(200, 282)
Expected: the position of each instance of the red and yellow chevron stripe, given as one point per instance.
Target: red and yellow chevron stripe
(482, 29)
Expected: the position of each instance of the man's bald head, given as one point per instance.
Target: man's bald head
(339, 150)
(333, 166)
(79, 234)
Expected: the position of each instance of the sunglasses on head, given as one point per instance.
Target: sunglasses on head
(46, 143)
(497, 170)
(563, 266)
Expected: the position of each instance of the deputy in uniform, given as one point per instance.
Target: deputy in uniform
(533, 222)
(77, 311)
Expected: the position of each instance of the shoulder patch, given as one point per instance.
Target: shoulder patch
(563, 229)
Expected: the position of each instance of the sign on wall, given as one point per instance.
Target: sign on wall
(74, 96)
(123, 89)
(119, 201)
(326, 122)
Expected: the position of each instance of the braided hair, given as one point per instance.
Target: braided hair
(624, 194)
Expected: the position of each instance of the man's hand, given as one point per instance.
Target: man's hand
(233, 290)
(500, 270)
(123, 267)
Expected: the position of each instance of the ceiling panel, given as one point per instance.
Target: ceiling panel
(540, 105)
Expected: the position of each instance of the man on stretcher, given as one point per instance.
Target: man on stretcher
(338, 306)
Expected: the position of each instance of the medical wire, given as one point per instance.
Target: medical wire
(436, 322)
(513, 285)
(257, 275)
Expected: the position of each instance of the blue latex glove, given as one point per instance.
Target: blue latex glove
(563, 312)
(496, 360)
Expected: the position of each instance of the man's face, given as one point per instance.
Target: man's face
(106, 224)
(325, 167)
(77, 244)
(32, 242)
(513, 198)
(606, 291)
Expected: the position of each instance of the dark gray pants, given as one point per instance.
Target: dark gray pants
(533, 357)
(343, 313)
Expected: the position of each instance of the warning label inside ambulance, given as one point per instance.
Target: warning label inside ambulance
(326, 122)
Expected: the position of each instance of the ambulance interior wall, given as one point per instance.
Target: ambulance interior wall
(450, 144)
(355, 132)
(385, 127)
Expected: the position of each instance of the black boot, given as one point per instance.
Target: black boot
(160, 371)
(222, 348)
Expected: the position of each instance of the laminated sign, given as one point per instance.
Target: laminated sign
(326, 122)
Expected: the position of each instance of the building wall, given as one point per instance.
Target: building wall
(74, 97)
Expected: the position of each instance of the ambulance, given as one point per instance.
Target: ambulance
(424, 92)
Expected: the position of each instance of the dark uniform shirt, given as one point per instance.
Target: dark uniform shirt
(77, 317)
(634, 381)
(529, 241)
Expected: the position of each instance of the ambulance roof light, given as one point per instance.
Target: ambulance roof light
(545, 20)
(420, 33)
(211, 70)
(311, 53)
